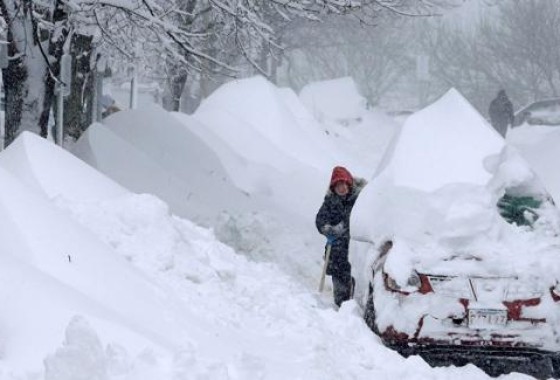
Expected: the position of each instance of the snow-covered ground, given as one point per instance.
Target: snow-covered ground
(106, 276)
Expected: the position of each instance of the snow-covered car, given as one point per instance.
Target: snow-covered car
(542, 112)
(466, 262)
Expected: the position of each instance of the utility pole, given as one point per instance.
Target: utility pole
(134, 81)
(63, 90)
(3, 65)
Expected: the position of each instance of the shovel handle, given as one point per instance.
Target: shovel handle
(324, 272)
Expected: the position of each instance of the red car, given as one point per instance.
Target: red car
(454, 324)
(466, 264)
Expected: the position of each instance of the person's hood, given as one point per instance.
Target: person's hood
(339, 174)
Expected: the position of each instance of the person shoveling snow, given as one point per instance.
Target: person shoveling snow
(333, 221)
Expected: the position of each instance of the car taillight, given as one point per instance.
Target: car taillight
(413, 284)
(555, 292)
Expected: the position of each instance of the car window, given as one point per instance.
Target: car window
(519, 210)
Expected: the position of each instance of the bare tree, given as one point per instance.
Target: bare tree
(189, 36)
(374, 55)
(513, 49)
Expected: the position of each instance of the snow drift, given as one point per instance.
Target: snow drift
(267, 119)
(149, 151)
(361, 133)
(59, 269)
(49, 170)
(266, 131)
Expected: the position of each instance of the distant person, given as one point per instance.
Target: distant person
(333, 221)
(501, 113)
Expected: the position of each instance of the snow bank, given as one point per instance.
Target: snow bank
(263, 118)
(54, 171)
(335, 100)
(149, 151)
(58, 269)
(259, 129)
(271, 136)
(355, 131)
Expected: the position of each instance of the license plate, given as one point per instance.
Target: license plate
(487, 318)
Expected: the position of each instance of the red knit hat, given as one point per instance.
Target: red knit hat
(340, 173)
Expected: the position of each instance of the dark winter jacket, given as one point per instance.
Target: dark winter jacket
(501, 112)
(334, 218)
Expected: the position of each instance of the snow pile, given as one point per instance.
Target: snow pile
(267, 120)
(268, 143)
(39, 166)
(58, 269)
(437, 190)
(272, 147)
(358, 132)
(149, 151)
(365, 140)
(336, 100)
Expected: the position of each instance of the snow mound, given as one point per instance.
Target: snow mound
(269, 123)
(335, 100)
(59, 269)
(261, 170)
(43, 166)
(149, 151)
(270, 145)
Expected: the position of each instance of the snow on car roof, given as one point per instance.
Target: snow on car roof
(445, 143)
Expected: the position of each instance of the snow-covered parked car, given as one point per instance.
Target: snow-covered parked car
(465, 267)
(542, 112)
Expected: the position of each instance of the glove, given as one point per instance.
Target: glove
(330, 239)
(336, 231)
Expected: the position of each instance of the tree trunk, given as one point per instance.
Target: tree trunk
(176, 84)
(14, 80)
(23, 79)
(28, 90)
(56, 50)
(78, 111)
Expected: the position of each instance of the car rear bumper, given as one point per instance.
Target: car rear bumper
(494, 360)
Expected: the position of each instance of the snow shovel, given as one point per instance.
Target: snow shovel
(324, 273)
